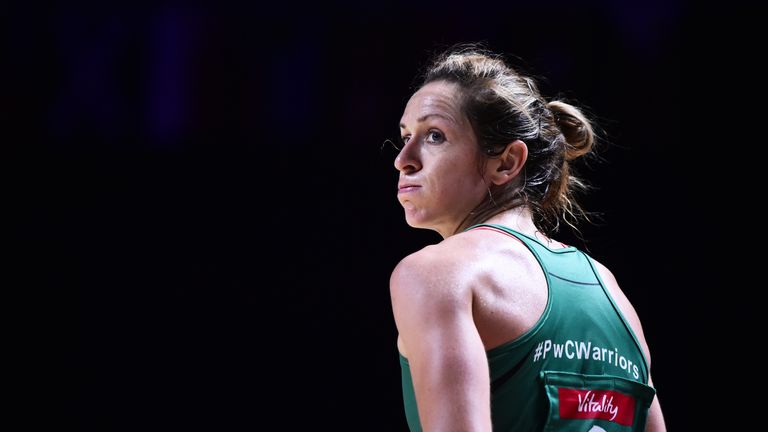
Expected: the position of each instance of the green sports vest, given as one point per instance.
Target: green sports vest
(580, 368)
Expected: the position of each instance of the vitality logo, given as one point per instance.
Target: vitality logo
(602, 404)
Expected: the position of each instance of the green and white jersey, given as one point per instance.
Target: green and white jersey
(580, 368)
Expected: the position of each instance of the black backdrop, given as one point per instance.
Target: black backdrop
(208, 202)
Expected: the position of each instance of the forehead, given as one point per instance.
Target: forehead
(438, 97)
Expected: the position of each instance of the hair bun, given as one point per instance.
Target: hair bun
(577, 130)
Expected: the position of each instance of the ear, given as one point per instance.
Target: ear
(505, 168)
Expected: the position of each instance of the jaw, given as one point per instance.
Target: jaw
(417, 218)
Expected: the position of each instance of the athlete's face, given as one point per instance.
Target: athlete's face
(439, 163)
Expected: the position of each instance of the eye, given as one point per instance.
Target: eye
(435, 137)
(404, 139)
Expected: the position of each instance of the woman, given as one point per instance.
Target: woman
(500, 326)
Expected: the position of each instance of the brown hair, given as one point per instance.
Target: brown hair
(504, 105)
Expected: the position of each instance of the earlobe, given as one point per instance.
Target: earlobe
(509, 163)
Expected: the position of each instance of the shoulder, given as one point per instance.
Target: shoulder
(431, 293)
(455, 265)
(614, 289)
(626, 307)
(612, 284)
(426, 270)
(605, 273)
(443, 271)
(452, 258)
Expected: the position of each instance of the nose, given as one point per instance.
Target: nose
(407, 161)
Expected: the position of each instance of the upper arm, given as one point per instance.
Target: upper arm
(655, 421)
(433, 312)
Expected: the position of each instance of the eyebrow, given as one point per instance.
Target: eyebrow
(426, 116)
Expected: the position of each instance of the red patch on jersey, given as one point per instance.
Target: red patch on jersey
(603, 404)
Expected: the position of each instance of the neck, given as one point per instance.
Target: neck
(519, 219)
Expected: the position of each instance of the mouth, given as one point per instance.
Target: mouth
(406, 188)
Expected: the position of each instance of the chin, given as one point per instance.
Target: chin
(415, 222)
(412, 221)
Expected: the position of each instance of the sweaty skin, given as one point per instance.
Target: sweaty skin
(475, 290)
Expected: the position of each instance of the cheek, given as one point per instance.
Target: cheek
(461, 184)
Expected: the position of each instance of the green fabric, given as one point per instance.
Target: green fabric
(581, 333)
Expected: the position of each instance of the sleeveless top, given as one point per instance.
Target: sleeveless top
(579, 368)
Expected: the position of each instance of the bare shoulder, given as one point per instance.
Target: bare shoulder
(623, 302)
(429, 294)
(610, 280)
(431, 270)
(655, 416)
(616, 292)
(461, 260)
(458, 258)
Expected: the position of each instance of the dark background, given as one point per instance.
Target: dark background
(207, 205)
